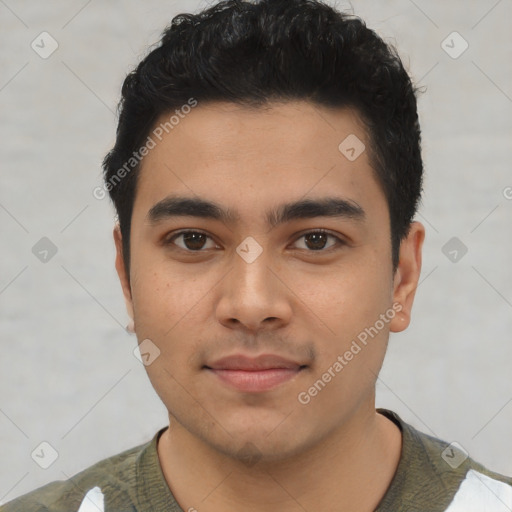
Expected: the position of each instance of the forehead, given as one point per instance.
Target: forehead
(290, 128)
(250, 156)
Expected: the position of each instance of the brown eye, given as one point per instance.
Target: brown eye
(317, 240)
(193, 241)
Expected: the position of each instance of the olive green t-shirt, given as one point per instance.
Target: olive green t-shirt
(432, 476)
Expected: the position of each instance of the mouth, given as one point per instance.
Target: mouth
(254, 375)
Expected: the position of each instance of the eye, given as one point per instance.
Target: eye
(316, 240)
(193, 241)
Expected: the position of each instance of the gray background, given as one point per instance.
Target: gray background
(68, 374)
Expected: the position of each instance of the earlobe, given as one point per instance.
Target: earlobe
(130, 328)
(123, 276)
(407, 276)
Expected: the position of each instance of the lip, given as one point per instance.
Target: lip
(254, 374)
(246, 363)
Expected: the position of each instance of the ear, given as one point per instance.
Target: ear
(407, 276)
(121, 270)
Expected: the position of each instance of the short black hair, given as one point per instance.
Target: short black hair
(254, 52)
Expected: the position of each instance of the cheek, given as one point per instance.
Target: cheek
(350, 304)
(164, 313)
(350, 296)
(351, 357)
(163, 295)
(169, 311)
(155, 300)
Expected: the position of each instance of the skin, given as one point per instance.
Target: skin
(230, 450)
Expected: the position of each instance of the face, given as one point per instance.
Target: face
(268, 321)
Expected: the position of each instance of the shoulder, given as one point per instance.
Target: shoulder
(444, 473)
(475, 487)
(452, 458)
(114, 477)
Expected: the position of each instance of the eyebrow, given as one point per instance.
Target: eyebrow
(180, 206)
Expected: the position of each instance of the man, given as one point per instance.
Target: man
(266, 173)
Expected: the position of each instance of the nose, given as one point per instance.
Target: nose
(254, 295)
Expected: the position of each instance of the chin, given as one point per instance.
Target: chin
(260, 441)
(253, 450)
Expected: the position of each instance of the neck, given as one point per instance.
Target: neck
(353, 468)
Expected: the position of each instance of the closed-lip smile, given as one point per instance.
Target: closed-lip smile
(254, 374)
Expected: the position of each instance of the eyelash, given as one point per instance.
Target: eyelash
(339, 242)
